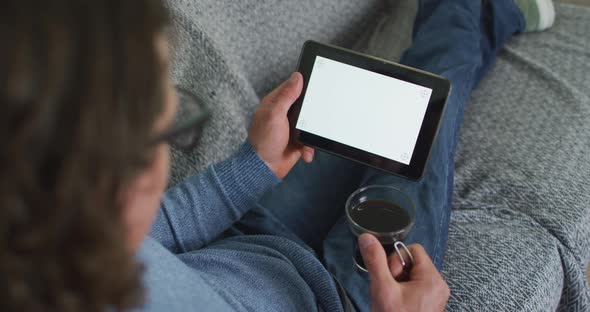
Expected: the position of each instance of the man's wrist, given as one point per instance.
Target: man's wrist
(245, 176)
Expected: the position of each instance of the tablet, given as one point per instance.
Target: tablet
(379, 113)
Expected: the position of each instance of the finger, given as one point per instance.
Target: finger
(285, 95)
(423, 266)
(307, 154)
(395, 266)
(293, 156)
(425, 272)
(375, 261)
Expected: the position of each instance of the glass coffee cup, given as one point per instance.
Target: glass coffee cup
(388, 214)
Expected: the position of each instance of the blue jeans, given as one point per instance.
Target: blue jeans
(457, 39)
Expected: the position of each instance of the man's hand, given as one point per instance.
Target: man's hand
(424, 291)
(269, 132)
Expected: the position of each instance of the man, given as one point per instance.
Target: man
(86, 112)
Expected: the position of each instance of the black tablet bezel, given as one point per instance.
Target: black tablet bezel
(440, 91)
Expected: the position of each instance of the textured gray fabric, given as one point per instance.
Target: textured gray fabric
(392, 33)
(231, 53)
(501, 260)
(520, 229)
(525, 146)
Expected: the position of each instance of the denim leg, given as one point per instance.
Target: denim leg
(457, 39)
(462, 50)
(311, 198)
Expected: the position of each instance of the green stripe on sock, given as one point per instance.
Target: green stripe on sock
(531, 12)
(534, 19)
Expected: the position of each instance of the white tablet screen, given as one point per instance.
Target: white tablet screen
(366, 110)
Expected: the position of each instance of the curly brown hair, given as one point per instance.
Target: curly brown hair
(80, 90)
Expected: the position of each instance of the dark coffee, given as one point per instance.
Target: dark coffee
(380, 216)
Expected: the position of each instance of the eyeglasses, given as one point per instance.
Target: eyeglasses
(188, 123)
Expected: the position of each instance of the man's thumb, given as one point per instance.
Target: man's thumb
(285, 95)
(375, 260)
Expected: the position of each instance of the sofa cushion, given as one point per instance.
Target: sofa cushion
(525, 140)
(501, 260)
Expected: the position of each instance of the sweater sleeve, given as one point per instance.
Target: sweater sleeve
(198, 210)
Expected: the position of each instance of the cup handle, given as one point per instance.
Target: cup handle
(406, 265)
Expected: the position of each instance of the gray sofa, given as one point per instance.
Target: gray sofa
(519, 238)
